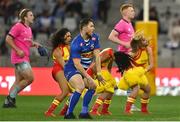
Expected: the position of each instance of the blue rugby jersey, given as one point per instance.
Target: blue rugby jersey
(83, 50)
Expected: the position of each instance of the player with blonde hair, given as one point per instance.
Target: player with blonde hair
(20, 40)
(134, 69)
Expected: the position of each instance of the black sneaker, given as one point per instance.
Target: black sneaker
(85, 116)
(9, 102)
(70, 116)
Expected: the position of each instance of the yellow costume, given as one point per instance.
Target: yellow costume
(109, 85)
(132, 77)
(142, 58)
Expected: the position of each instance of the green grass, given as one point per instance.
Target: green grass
(31, 108)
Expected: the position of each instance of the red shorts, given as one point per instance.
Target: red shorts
(56, 68)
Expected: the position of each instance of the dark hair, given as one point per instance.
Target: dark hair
(23, 13)
(84, 22)
(123, 61)
(58, 37)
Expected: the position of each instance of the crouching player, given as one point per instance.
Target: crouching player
(105, 91)
(134, 78)
(142, 53)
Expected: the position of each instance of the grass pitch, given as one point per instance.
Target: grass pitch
(31, 108)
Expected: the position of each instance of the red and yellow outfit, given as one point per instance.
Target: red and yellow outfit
(106, 59)
(135, 75)
(65, 54)
(142, 58)
(57, 68)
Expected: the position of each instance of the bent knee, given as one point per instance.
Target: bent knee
(93, 86)
(65, 93)
(148, 89)
(80, 89)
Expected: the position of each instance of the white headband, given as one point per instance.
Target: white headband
(21, 12)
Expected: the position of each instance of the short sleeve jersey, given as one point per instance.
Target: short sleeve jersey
(126, 31)
(83, 49)
(22, 37)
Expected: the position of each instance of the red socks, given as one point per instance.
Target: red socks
(130, 101)
(144, 103)
(97, 104)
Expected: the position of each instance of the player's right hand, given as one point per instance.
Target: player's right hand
(20, 53)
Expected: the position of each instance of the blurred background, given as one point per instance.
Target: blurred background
(54, 14)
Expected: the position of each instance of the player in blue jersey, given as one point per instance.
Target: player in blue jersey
(84, 49)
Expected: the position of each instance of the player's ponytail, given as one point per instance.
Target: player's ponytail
(123, 61)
